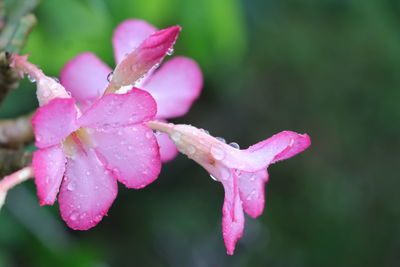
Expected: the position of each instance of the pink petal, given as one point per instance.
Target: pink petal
(149, 54)
(131, 153)
(232, 210)
(87, 192)
(251, 189)
(168, 150)
(129, 35)
(85, 76)
(281, 146)
(49, 166)
(120, 110)
(54, 121)
(175, 86)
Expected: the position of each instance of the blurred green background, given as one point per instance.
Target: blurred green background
(330, 68)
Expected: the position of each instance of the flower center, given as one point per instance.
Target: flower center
(78, 140)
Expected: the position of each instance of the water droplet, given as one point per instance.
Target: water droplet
(87, 173)
(170, 51)
(191, 149)
(215, 179)
(130, 147)
(291, 142)
(176, 136)
(74, 215)
(31, 78)
(97, 218)
(56, 79)
(234, 145)
(83, 215)
(205, 131)
(119, 132)
(217, 152)
(221, 139)
(71, 186)
(109, 76)
(149, 135)
(46, 93)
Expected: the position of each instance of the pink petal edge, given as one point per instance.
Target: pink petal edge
(168, 150)
(49, 167)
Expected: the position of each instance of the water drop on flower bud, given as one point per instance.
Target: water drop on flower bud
(176, 136)
(221, 139)
(191, 150)
(109, 76)
(170, 51)
(215, 179)
(56, 79)
(31, 78)
(234, 145)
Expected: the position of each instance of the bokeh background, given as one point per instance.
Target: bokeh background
(330, 68)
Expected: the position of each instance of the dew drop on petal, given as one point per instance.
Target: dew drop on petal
(109, 76)
(221, 139)
(191, 150)
(149, 135)
(97, 218)
(176, 136)
(56, 79)
(217, 152)
(205, 131)
(234, 145)
(130, 147)
(87, 173)
(31, 78)
(215, 179)
(74, 215)
(170, 51)
(71, 186)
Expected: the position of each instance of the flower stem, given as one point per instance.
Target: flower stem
(12, 180)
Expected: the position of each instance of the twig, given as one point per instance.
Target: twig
(13, 160)
(16, 133)
(18, 40)
(12, 20)
(8, 76)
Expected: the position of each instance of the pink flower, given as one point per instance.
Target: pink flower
(84, 152)
(241, 172)
(174, 86)
(83, 156)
